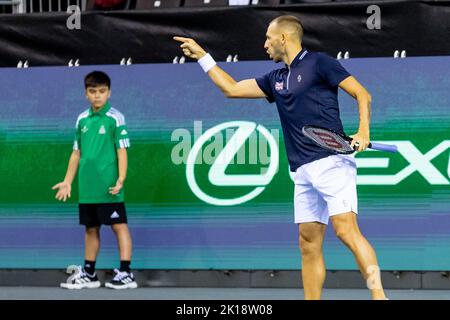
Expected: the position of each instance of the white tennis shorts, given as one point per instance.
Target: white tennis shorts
(324, 188)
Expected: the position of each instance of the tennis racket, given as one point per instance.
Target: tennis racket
(337, 142)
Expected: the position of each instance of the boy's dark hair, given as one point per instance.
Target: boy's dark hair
(97, 78)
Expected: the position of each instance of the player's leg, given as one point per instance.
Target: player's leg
(92, 243)
(124, 278)
(85, 276)
(310, 216)
(124, 240)
(114, 214)
(89, 218)
(347, 230)
(313, 265)
(337, 186)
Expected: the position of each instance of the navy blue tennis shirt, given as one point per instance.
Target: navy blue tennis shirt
(306, 93)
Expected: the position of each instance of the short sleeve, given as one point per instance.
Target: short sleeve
(121, 138)
(264, 84)
(77, 140)
(331, 70)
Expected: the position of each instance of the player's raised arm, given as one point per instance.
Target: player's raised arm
(231, 88)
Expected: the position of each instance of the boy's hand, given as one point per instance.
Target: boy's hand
(116, 189)
(64, 189)
(190, 48)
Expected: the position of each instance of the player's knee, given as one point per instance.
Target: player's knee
(119, 227)
(92, 230)
(310, 250)
(115, 228)
(310, 246)
(347, 235)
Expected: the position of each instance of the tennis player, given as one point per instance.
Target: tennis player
(305, 91)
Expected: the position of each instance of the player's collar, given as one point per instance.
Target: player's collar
(299, 57)
(102, 111)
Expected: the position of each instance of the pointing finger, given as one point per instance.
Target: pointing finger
(181, 39)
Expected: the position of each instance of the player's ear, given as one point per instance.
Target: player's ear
(283, 39)
(109, 94)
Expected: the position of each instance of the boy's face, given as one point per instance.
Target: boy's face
(98, 96)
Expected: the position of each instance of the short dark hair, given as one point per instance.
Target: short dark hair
(96, 79)
(291, 21)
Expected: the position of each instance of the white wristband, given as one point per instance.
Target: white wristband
(206, 62)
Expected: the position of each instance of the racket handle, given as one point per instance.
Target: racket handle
(383, 147)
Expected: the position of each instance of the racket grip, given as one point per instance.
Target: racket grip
(383, 147)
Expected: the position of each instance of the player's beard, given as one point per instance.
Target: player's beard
(277, 55)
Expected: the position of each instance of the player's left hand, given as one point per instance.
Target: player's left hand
(360, 141)
(116, 189)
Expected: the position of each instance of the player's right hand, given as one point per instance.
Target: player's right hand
(64, 189)
(190, 48)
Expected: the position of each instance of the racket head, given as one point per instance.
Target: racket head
(328, 139)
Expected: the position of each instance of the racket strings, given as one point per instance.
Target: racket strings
(328, 140)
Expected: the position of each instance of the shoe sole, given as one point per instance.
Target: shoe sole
(131, 285)
(71, 286)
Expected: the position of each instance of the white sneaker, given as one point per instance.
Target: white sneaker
(80, 279)
(122, 280)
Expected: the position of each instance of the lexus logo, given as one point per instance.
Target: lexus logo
(217, 175)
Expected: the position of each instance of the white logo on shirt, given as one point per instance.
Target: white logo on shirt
(102, 130)
(299, 78)
(279, 86)
(114, 215)
(85, 129)
(124, 132)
